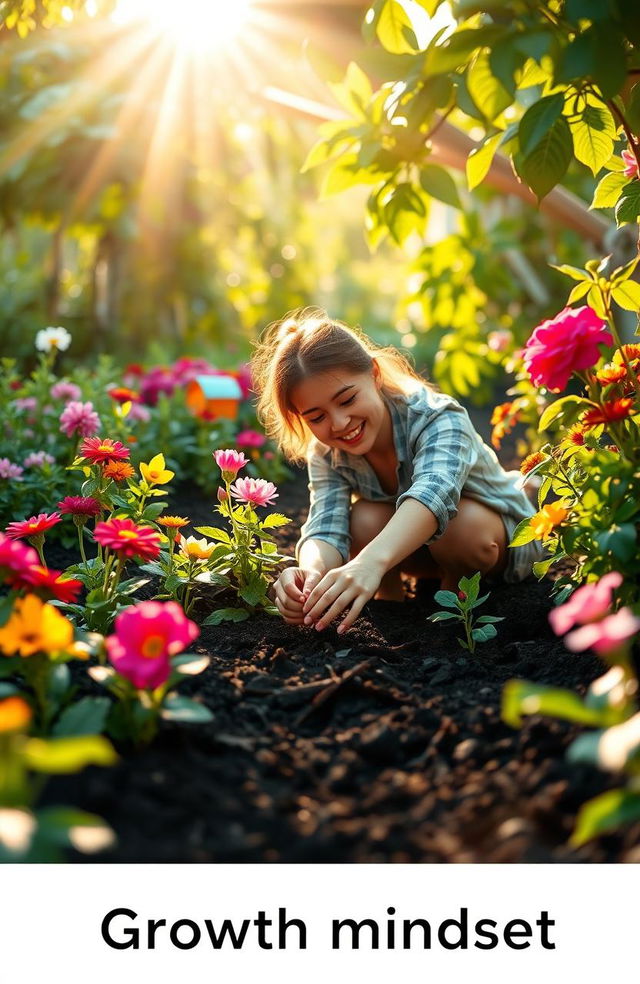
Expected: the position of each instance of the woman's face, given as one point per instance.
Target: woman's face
(345, 410)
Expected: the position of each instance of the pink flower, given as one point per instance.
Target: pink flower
(257, 491)
(25, 403)
(566, 343)
(79, 418)
(499, 340)
(146, 637)
(65, 390)
(154, 382)
(243, 375)
(37, 459)
(230, 463)
(250, 439)
(126, 539)
(79, 505)
(631, 169)
(16, 560)
(606, 635)
(9, 470)
(587, 604)
(138, 414)
(34, 526)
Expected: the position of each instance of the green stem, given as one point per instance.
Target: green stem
(81, 545)
(467, 627)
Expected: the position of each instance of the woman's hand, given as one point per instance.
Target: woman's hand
(352, 584)
(290, 592)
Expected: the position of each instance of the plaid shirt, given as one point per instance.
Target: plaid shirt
(440, 457)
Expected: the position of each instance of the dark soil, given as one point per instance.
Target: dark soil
(385, 744)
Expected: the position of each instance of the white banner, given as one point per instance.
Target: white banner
(288, 924)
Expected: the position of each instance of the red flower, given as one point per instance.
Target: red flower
(608, 412)
(124, 395)
(99, 449)
(128, 540)
(80, 505)
(51, 584)
(33, 526)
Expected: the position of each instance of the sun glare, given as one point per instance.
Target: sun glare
(195, 26)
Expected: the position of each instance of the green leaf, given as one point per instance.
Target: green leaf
(521, 698)
(522, 533)
(190, 664)
(394, 29)
(226, 615)
(627, 295)
(442, 616)
(439, 184)
(214, 533)
(177, 708)
(593, 135)
(86, 717)
(254, 590)
(486, 619)
(446, 598)
(61, 755)
(487, 92)
(567, 409)
(483, 633)
(546, 165)
(628, 207)
(74, 828)
(404, 212)
(574, 272)
(274, 520)
(609, 189)
(605, 813)
(538, 121)
(471, 587)
(480, 159)
(541, 567)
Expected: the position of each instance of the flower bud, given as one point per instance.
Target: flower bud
(462, 596)
(222, 494)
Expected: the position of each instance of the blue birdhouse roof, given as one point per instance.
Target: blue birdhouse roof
(219, 387)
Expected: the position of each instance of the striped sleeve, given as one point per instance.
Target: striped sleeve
(329, 507)
(444, 452)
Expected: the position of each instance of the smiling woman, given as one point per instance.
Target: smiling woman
(194, 26)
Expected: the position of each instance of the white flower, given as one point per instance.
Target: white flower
(53, 338)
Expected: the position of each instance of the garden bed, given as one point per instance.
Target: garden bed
(386, 744)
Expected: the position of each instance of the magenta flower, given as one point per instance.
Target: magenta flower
(9, 470)
(64, 390)
(37, 459)
(565, 344)
(606, 635)
(230, 463)
(250, 439)
(139, 414)
(79, 505)
(631, 164)
(16, 561)
(126, 539)
(243, 375)
(587, 604)
(256, 491)
(79, 418)
(146, 637)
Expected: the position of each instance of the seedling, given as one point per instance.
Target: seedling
(464, 603)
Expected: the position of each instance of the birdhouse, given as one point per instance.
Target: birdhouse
(213, 397)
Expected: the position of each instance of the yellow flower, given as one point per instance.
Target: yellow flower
(155, 472)
(15, 714)
(35, 627)
(196, 549)
(550, 516)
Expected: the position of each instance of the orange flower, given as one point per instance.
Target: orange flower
(122, 394)
(196, 549)
(632, 353)
(608, 412)
(15, 714)
(611, 373)
(35, 627)
(550, 516)
(119, 471)
(504, 418)
(532, 461)
(172, 522)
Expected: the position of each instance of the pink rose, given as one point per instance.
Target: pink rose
(565, 344)
(587, 604)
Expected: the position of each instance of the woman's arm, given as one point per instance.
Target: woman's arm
(294, 585)
(355, 582)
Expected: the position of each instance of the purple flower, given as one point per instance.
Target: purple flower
(9, 470)
(79, 418)
(64, 390)
(37, 459)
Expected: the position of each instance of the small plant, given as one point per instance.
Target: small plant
(464, 603)
(145, 667)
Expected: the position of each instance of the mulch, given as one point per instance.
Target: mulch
(382, 745)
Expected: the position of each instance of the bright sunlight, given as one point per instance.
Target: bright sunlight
(195, 26)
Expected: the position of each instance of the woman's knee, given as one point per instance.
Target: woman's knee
(366, 521)
(475, 539)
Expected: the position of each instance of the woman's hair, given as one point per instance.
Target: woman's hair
(307, 342)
